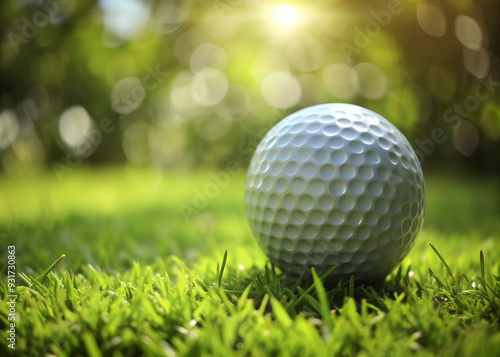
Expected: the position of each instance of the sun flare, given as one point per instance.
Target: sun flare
(285, 15)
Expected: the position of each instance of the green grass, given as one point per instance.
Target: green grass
(140, 279)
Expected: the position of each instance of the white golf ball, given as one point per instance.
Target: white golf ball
(335, 184)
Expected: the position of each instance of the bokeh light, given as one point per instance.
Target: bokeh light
(125, 18)
(75, 129)
(208, 55)
(209, 86)
(372, 81)
(281, 90)
(9, 128)
(170, 18)
(127, 95)
(285, 15)
(340, 80)
(431, 19)
(477, 62)
(182, 103)
(468, 32)
(465, 137)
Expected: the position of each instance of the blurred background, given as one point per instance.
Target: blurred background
(179, 85)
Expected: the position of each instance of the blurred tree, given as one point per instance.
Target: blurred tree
(179, 84)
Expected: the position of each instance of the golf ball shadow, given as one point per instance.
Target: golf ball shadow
(335, 184)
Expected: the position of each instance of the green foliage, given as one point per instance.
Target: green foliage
(389, 62)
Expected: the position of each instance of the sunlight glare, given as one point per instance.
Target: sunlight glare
(285, 15)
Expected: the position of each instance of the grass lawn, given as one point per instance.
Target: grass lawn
(145, 274)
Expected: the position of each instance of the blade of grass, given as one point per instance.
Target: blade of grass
(280, 313)
(483, 275)
(316, 305)
(243, 297)
(52, 266)
(70, 291)
(221, 273)
(310, 288)
(437, 279)
(442, 260)
(263, 304)
(351, 286)
(26, 278)
(371, 293)
(323, 300)
(57, 279)
(481, 259)
(100, 279)
(167, 282)
(91, 344)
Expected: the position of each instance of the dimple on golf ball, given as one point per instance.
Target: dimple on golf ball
(335, 184)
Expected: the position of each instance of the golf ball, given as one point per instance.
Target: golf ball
(335, 184)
